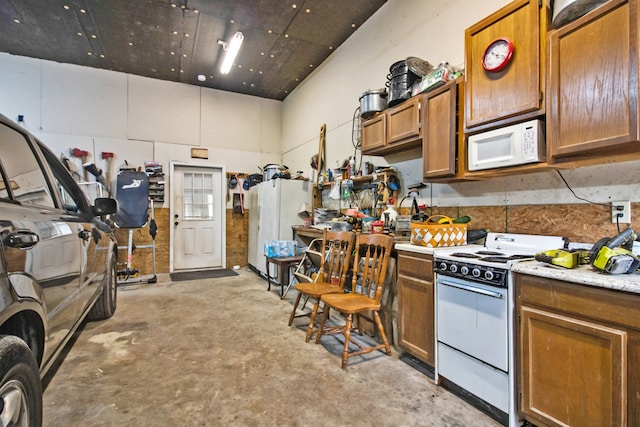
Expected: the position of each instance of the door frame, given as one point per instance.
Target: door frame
(223, 206)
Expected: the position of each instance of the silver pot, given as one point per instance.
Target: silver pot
(565, 11)
(269, 170)
(372, 102)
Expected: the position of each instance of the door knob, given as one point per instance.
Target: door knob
(175, 223)
(175, 216)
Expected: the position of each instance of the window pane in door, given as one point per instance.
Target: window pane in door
(198, 198)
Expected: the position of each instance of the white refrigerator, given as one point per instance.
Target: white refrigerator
(273, 209)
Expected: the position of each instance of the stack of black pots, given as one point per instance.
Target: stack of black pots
(402, 75)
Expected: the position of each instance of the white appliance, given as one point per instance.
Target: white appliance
(513, 145)
(475, 316)
(273, 209)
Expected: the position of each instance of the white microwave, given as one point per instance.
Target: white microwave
(513, 145)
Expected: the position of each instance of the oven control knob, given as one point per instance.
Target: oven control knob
(475, 272)
(453, 268)
(443, 266)
(464, 270)
(488, 275)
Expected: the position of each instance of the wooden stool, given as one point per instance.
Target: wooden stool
(284, 264)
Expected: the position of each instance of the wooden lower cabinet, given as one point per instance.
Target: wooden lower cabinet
(416, 325)
(578, 354)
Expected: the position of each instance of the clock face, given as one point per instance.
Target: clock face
(497, 55)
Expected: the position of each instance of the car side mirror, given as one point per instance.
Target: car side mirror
(104, 206)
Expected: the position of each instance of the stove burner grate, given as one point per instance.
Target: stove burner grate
(520, 256)
(505, 259)
(487, 252)
(500, 259)
(465, 255)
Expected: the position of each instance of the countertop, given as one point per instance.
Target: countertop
(583, 275)
(408, 247)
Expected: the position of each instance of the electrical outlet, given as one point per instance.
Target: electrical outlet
(623, 208)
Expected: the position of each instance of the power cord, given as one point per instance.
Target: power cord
(618, 216)
(578, 197)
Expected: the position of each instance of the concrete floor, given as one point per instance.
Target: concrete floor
(218, 352)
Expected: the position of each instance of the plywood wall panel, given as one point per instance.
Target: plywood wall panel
(584, 222)
(237, 243)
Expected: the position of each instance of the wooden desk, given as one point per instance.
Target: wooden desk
(306, 234)
(284, 264)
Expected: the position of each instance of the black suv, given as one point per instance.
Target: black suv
(57, 266)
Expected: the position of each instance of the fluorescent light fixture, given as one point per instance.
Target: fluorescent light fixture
(231, 50)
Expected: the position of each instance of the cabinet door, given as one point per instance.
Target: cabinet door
(439, 144)
(374, 133)
(404, 122)
(573, 372)
(494, 96)
(593, 83)
(416, 306)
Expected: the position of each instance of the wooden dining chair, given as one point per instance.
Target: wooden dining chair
(337, 248)
(370, 263)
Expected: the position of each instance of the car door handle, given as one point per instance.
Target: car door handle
(84, 234)
(22, 239)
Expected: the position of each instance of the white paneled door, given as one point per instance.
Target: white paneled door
(198, 210)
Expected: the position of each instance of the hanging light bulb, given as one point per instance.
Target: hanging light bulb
(231, 51)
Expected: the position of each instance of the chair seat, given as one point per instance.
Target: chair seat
(318, 289)
(350, 303)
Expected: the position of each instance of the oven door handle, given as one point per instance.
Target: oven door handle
(470, 288)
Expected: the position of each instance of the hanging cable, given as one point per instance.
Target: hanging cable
(578, 197)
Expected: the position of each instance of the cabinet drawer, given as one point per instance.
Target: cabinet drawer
(584, 301)
(415, 265)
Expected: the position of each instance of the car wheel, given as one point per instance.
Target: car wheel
(105, 306)
(20, 386)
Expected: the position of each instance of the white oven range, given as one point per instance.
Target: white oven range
(474, 316)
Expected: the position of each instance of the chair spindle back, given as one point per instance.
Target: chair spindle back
(372, 254)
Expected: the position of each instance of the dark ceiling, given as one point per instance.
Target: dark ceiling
(284, 40)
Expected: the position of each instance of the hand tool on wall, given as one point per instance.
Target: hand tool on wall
(93, 170)
(81, 154)
(319, 160)
(108, 157)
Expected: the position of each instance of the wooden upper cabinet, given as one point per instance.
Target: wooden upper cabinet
(592, 106)
(515, 92)
(374, 134)
(396, 129)
(443, 151)
(404, 122)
